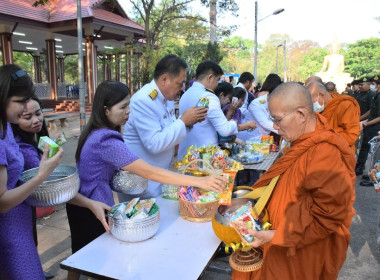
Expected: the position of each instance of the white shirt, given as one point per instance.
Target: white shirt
(244, 107)
(205, 132)
(258, 111)
(152, 131)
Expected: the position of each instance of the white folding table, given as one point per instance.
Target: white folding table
(179, 250)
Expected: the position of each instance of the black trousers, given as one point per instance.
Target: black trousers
(84, 226)
(368, 134)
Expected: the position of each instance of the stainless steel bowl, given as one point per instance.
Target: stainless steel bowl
(235, 204)
(60, 187)
(128, 183)
(134, 230)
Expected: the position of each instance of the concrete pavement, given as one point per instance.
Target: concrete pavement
(363, 257)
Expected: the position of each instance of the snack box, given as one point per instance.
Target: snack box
(53, 147)
(261, 147)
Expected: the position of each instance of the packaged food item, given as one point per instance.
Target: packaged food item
(153, 210)
(145, 204)
(169, 192)
(135, 209)
(225, 198)
(203, 102)
(61, 139)
(129, 208)
(242, 220)
(219, 160)
(53, 147)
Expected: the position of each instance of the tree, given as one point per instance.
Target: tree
(296, 52)
(157, 20)
(219, 7)
(238, 55)
(266, 60)
(311, 63)
(363, 57)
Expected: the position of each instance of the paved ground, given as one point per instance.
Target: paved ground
(363, 257)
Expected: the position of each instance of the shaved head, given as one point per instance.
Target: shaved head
(317, 89)
(313, 79)
(291, 110)
(293, 95)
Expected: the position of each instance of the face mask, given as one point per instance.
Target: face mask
(317, 107)
(372, 87)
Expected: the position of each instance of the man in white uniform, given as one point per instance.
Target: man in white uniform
(246, 80)
(205, 132)
(152, 131)
(258, 112)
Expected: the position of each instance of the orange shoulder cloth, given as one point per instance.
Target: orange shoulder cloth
(336, 100)
(322, 133)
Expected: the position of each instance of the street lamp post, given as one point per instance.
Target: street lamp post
(276, 12)
(280, 45)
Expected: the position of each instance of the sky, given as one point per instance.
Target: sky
(320, 21)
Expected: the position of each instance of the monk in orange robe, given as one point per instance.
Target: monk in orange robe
(311, 206)
(341, 111)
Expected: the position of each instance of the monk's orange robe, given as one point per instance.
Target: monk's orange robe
(310, 208)
(343, 115)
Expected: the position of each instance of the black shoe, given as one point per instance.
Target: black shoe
(365, 177)
(359, 170)
(366, 183)
(48, 275)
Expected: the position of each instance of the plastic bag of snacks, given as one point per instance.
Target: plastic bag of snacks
(374, 175)
(244, 219)
(225, 198)
(211, 154)
(169, 192)
(134, 209)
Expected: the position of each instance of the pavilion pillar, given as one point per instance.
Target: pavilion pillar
(37, 67)
(139, 70)
(109, 67)
(6, 48)
(118, 67)
(52, 68)
(104, 61)
(61, 68)
(91, 71)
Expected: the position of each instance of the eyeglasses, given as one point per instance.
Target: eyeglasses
(277, 121)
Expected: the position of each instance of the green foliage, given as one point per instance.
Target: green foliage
(311, 63)
(40, 3)
(224, 6)
(363, 57)
(213, 52)
(238, 55)
(266, 59)
(25, 61)
(71, 69)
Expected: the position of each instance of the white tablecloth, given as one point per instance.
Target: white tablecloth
(179, 250)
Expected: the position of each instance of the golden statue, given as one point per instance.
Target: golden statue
(333, 68)
(334, 62)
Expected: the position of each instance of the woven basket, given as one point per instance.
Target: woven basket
(198, 212)
(246, 261)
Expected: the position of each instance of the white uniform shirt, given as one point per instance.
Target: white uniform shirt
(205, 132)
(244, 107)
(258, 111)
(152, 131)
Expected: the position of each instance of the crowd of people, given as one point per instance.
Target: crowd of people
(310, 209)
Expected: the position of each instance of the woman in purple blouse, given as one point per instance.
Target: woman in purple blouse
(30, 128)
(232, 111)
(101, 151)
(18, 254)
